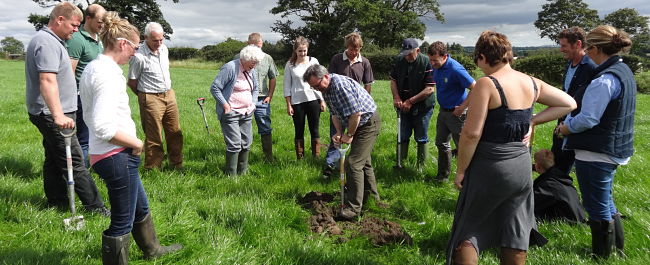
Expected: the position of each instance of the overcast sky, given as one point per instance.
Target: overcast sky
(200, 22)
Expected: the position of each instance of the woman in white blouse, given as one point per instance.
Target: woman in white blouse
(114, 147)
(302, 100)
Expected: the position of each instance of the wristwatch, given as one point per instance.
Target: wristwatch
(349, 134)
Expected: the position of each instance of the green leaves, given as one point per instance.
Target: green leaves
(558, 15)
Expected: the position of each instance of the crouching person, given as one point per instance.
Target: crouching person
(355, 117)
(114, 148)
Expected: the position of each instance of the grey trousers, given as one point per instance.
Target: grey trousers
(448, 126)
(358, 164)
(237, 131)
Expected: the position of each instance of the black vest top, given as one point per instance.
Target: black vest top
(503, 125)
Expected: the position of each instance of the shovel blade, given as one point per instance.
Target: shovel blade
(74, 223)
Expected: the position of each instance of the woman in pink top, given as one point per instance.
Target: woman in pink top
(114, 148)
(235, 89)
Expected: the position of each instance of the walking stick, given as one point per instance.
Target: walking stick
(201, 102)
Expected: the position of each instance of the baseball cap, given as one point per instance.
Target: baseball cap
(408, 45)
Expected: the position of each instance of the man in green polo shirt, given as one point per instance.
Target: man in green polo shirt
(83, 47)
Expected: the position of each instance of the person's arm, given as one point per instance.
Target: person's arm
(458, 110)
(353, 123)
(133, 84)
(273, 72)
(49, 89)
(123, 139)
(473, 127)
(559, 103)
(596, 98)
(74, 63)
(135, 69)
(397, 101)
(287, 91)
(367, 87)
(423, 95)
(220, 82)
(269, 97)
(339, 129)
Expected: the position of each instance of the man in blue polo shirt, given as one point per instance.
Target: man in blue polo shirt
(452, 81)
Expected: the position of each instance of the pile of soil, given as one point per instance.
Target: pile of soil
(380, 231)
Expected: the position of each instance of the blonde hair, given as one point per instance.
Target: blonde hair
(296, 44)
(609, 40)
(66, 10)
(116, 27)
(494, 46)
(254, 38)
(353, 39)
(545, 159)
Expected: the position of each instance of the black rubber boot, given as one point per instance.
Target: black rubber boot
(404, 149)
(423, 153)
(144, 235)
(267, 147)
(115, 250)
(444, 165)
(242, 162)
(231, 163)
(602, 238)
(619, 233)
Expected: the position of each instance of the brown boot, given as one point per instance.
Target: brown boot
(465, 254)
(511, 256)
(315, 147)
(115, 250)
(144, 234)
(300, 148)
(267, 147)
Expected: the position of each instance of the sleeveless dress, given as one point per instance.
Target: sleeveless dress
(495, 206)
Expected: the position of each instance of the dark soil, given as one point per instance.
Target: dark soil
(380, 231)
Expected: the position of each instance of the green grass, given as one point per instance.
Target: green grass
(254, 219)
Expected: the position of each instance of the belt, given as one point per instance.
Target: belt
(447, 110)
(157, 93)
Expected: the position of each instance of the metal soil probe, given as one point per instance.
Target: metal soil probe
(75, 222)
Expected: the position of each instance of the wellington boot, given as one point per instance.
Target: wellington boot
(465, 254)
(231, 163)
(422, 155)
(300, 148)
(511, 256)
(602, 238)
(619, 233)
(242, 162)
(267, 147)
(315, 147)
(144, 235)
(115, 250)
(444, 165)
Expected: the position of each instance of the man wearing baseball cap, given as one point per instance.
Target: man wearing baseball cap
(413, 90)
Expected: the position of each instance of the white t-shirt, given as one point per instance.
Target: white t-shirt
(294, 87)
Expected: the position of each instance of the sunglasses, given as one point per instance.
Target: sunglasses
(135, 46)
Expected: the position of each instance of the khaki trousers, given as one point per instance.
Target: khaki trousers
(158, 112)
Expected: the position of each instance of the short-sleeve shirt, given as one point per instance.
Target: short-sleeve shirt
(84, 48)
(151, 70)
(359, 69)
(46, 53)
(345, 96)
(451, 82)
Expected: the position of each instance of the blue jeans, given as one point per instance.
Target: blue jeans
(416, 124)
(128, 199)
(595, 180)
(333, 154)
(82, 132)
(263, 116)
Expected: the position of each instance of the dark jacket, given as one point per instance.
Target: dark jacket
(410, 83)
(556, 198)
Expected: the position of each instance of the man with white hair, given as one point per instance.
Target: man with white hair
(150, 80)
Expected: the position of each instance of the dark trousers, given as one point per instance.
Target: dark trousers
(128, 199)
(311, 110)
(82, 132)
(564, 159)
(358, 164)
(55, 169)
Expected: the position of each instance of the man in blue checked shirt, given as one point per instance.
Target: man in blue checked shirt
(354, 114)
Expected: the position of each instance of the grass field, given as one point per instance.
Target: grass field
(254, 219)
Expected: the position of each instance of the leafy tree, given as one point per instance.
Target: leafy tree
(455, 49)
(138, 12)
(557, 15)
(629, 20)
(381, 22)
(12, 46)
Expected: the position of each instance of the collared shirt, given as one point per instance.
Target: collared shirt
(358, 69)
(102, 88)
(151, 70)
(46, 53)
(84, 48)
(241, 99)
(571, 70)
(452, 79)
(345, 97)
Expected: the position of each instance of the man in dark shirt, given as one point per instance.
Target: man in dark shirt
(349, 63)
